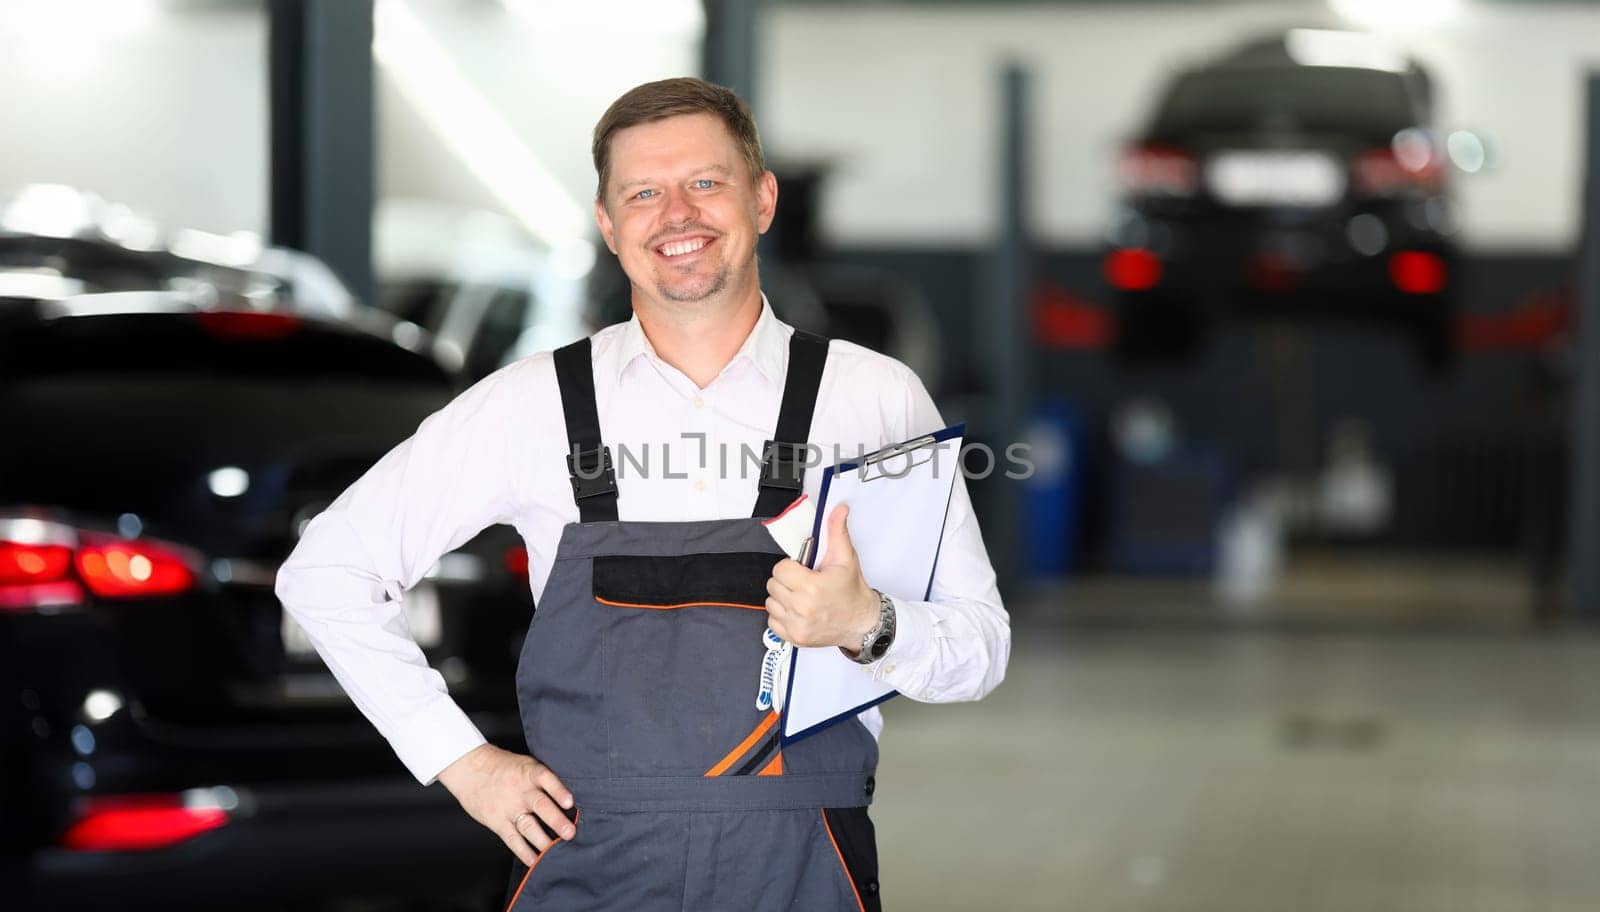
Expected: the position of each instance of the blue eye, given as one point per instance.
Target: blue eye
(704, 183)
(643, 194)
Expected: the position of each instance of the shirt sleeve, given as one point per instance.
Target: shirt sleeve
(345, 580)
(954, 646)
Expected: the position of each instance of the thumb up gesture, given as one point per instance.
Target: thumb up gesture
(829, 606)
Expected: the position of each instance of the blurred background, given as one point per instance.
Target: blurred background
(1287, 299)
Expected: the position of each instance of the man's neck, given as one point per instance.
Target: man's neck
(702, 339)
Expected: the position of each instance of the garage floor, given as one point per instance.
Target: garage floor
(1220, 766)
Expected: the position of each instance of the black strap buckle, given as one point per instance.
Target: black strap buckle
(591, 472)
(783, 465)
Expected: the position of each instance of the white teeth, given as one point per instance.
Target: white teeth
(678, 248)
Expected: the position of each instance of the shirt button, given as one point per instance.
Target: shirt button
(888, 669)
(699, 403)
(700, 484)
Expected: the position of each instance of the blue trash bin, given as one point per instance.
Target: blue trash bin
(1055, 439)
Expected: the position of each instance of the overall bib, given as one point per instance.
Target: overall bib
(637, 685)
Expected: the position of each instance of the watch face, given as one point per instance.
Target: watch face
(880, 646)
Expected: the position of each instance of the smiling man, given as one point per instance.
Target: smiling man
(655, 781)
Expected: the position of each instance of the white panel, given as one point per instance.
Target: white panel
(165, 111)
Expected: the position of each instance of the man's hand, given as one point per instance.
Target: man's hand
(510, 793)
(829, 606)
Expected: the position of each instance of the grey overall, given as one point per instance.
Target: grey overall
(637, 687)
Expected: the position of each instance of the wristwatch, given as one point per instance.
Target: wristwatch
(877, 640)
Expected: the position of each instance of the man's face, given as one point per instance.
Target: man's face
(680, 210)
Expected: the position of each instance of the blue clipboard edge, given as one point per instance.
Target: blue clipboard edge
(954, 430)
(786, 740)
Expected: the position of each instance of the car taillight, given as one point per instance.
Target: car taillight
(138, 823)
(1417, 272)
(26, 564)
(249, 325)
(1132, 269)
(46, 565)
(1387, 173)
(36, 574)
(1157, 170)
(112, 568)
(517, 560)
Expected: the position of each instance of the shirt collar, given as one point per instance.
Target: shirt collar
(767, 346)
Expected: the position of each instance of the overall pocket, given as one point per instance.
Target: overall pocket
(682, 661)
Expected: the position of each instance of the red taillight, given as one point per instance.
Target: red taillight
(140, 823)
(1132, 269)
(245, 325)
(1157, 170)
(27, 564)
(36, 575)
(112, 568)
(46, 564)
(517, 560)
(1540, 319)
(1383, 173)
(1061, 320)
(1416, 272)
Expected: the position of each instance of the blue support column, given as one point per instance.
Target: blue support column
(320, 55)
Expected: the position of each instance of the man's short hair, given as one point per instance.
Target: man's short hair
(665, 98)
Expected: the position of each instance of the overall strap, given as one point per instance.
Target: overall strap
(783, 458)
(594, 483)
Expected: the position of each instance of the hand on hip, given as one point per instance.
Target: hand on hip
(511, 794)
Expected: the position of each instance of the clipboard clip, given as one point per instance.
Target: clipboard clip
(884, 463)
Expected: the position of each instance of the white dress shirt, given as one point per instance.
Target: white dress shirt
(497, 454)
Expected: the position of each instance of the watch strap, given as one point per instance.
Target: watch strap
(877, 641)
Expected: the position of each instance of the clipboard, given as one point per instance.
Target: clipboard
(899, 497)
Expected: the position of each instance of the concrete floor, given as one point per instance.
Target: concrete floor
(1243, 768)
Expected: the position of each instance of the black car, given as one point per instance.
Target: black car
(166, 738)
(1297, 179)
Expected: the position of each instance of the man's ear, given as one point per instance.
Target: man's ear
(603, 219)
(766, 200)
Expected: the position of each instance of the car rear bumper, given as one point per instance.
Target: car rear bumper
(390, 839)
(1237, 283)
(1338, 260)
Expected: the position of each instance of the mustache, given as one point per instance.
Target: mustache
(674, 230)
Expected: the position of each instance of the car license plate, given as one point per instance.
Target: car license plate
(1290, 178)
(420, 603)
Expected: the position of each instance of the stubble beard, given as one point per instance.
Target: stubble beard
(711, 287)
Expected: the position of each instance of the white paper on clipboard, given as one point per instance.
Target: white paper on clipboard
(898, 499)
